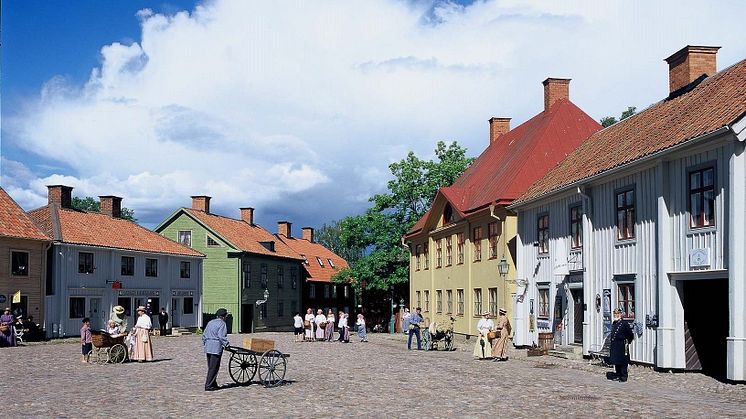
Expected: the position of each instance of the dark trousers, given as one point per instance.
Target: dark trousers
(163, 330)
(341, 334)
(621, 371)
(415, 332)
(213, 366)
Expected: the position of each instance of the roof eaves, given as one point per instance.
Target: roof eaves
(208, 228)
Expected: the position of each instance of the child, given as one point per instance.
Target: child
(86, 340)
(113, 329)
(298, 326)
(361, 332)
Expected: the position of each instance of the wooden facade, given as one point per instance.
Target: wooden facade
(32, 284)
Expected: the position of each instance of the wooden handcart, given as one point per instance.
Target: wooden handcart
(107, 349)
(260, 358)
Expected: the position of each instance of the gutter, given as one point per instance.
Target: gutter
(627, 165)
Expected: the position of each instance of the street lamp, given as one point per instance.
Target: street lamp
(503, 267)
(266, 297)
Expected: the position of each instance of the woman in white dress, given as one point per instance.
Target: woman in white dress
(308, 324)
(483, 348)
(320, 324)
(143, 350)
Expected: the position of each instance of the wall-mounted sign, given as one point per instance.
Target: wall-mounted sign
(182, 293)
(699, 258)
(542, 324)
(139, 293)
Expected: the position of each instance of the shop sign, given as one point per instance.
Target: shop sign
(699, 258)
(182, 293)
(139, 293)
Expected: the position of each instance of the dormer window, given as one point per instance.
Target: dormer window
(321, 262)
(269, 245)
(212, 242)
(330, 263)
(305, 260)
(447, 214)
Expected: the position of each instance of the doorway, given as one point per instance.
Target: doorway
(94, 313)
(247, 318)
(578, 312)
(175, 312)
(706, 325)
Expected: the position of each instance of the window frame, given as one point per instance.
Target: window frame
(449, 250)
(186, 304)
(460, 242)
(438, 301)
(311, 291)
(246, 274)
(492, 238)
(575, 212)
(492, 300)
(149, 271)
(543, 307)
(215, 243)
(418, 299)
(188, 269)
(123, 266)
(542, 233)
(263, 276)
(477, 302)
(701, 169)
(70, 307)
(460, 302)
(280, 276)
(439, 253)
(293, 277)
(626, 208)
(476, 238)
(417, 250)
(426, 294)
(83, 267)
(178, 237)
(623, 304)
(426, 256)
(25, 273)
(449, 301)
(321, 262)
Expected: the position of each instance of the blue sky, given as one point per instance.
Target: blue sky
(297, 108)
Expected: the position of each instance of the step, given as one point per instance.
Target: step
(571, 349)
(566, 354)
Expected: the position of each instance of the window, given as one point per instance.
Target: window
(426, 255)
(449, 301)
(447, 214)
(151, 267)
(417, 256)
(626, 299)
(246, 274)
(188, 305)
(427, 300)
(418, 301)
(185, 237)
(492, 232)
(330, 263)
(327, 290)
(576, 227)
(305, 260)
(311, 290)
(543, 233)
(186, 270)
(321, 262)
(280, 308)
(702, 198)
(449, 250)
(460, 302)
(19, 263)
(347, 291)
(477, 301)
(212, 242)
(77, 307)
(280, 276)
(477, 238)
(439, 301)
(493, 301)
(264, 276)
(439, 253)
(543, 303)
(85, 263)
(460, 247)
(128, 265)
(294, 278)
(625, 214)
(262, 311)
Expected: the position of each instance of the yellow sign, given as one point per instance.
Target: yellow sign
(16, 297)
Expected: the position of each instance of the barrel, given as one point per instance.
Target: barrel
(546, 341)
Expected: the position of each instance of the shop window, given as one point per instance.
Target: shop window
(543, 303)
(77, 307)
(151, 267)
(477, 301)
(493, 301)
(19, 263)
(188, 305)
(246, 273)
(449, 250)
(702, 198)
(128, 266)
(460, 302)
(185, 269)
(576, 227)
(543, 233)
(185, 238)
(626, 299)
(625, 214)
(477, 239)
(85, 263)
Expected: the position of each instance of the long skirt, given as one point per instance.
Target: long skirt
(309, 332)
(500, 348)
(361, 332)
(143, 350)
(320, 331)
(482, 349)
(329, 331)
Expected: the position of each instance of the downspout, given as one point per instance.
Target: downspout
(43, 297)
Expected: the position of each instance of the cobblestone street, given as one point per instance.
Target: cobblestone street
(376, 379)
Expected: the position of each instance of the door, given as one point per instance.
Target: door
(175, 312)
(94, 312)
(706, 325)
(577, 298)
(247, 318)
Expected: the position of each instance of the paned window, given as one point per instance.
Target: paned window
(188, 305)
(185, 238)
(294, 278)
(85, 263)
(493, 301)
(418, 301)
(449, 250)
(460, 302)
(427, 300)
(321, 262)
(576, 227)
(426, 255)
(212, 242)
(19, 263)
(334, 291)
(418, 250)
(280, 308)
(151, 267)
(77, 307)
(477, 301)
(625, 214)
(477, 238)
(128, 266)
(327, 290)
(263, 277)
(185, 269)
(460, 247)
(447, 214)
(280, 276)
(702, 198)
(439, 301)
(439, 253)
(492, 231)
(543, 303)
(263, 311)
(626, 299)
(449, 301)
(330, 263)
(311, 290)
(542, 225)
(246, 273)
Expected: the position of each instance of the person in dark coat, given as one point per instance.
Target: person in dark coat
(163, 320)
(621, 336)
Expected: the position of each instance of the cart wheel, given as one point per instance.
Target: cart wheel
(448, 346)
(117, 353)
(93, 356)
(272, 367)
(242, 368)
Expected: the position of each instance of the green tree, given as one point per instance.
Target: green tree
(378, 231)
(608, 121)
(90, 204)
(330, 235)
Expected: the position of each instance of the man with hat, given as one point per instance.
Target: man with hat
(214, 339)
(500, 345)
(621, 336)
(483, 349)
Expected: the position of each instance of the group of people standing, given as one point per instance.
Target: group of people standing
(320, 327)
(138, 340)
(493, 337)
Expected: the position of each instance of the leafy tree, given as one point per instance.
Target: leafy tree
(378, 231)
(610, 120)
(331, 237)
(90, 204)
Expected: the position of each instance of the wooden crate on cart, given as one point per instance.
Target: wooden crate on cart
(258, 345)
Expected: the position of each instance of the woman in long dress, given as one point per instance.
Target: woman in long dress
(329, 331)
(320, 324)
(143, 350)
(483, 349)
(308, 324)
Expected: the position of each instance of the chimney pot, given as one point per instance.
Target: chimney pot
(110, 205)
(498, 127)
(283, 228)
(247, 215)
(61, 195)
(554, 90)
(689, 63)
(201, 203)
(308, 233)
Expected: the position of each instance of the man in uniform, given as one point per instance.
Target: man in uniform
(214, 339)
(499, 348)
(163, 320)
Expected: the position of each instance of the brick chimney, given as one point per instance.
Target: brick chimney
(308, 233)
(688, 63)
(247, 215)
(554, 90)
(283, 228)
(201, 203)
(110, 205)
(498, 127)
(61, 195)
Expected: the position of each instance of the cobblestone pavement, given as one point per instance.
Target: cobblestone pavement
(376, 379)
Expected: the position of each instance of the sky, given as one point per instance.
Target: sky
(296, 108)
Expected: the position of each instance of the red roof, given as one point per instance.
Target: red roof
(715, 103)
(14, 222)
(316, 271)
(94, 229)
(246, 237)
(516, 159)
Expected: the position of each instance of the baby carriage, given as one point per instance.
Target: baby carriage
(107, 348)
(435, 335)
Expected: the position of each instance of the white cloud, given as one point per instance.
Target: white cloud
(271, 103)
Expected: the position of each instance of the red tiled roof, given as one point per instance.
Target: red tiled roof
(518, 158)
(94, 229)
(245, 236)
(714, 103)
(14, 222)
(311, 251)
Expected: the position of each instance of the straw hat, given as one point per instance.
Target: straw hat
(141, 308)
(485, 313)
(119, 310)
(502, 311)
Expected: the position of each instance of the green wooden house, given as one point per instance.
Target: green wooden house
(243, 263)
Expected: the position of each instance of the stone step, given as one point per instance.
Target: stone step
(566, 354)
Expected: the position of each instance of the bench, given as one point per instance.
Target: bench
(600, 353)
